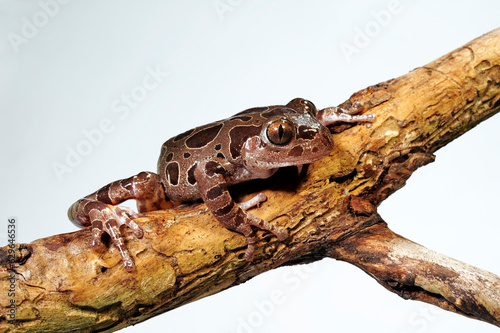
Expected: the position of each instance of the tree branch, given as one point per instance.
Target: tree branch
(62, 285)
(415, 272)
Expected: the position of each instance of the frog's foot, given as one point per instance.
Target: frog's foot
(249, 233)
(258, 222)
(334, 114)
(250, 221)
(255, 221)
(106, 218)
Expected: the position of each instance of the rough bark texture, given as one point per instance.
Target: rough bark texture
(62, 285)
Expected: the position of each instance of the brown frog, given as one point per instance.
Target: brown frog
(204, 161)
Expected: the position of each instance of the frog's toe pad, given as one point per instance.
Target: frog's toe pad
(108, 219)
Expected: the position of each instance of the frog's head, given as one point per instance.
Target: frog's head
(290, 135)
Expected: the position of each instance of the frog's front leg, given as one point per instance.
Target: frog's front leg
(99, 209)
(210, 177)
(334, 114)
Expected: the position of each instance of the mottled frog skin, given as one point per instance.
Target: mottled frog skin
(204, 161)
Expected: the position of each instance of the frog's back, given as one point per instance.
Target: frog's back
(223, 139)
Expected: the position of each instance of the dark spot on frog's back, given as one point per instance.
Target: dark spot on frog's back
(190, 174)
(172, 172)
(213, 167)
(243, 118)
(163, 149)
(183, 135)
(238, 135)
(276, 112)
(252, 110)
(204, 136)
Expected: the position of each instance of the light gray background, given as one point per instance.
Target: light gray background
(75, 67)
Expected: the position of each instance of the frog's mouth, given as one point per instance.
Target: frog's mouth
(297, 155)
(293, 160)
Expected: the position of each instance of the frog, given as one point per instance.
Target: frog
(203, 162)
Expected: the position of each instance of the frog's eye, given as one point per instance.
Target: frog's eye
(279, 132)
(310, 107)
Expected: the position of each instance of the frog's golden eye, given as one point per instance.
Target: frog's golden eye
(279, 132)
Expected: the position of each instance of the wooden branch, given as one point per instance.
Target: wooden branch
(415, 272)
(61, 284)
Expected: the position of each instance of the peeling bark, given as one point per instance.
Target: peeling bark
(415, 272)
(330, 211)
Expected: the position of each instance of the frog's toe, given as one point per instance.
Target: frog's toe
(255, 221)
(107, 219)
(255, 201)
(281, 234)
(250, 237)
(125, 214)
(97, 232)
